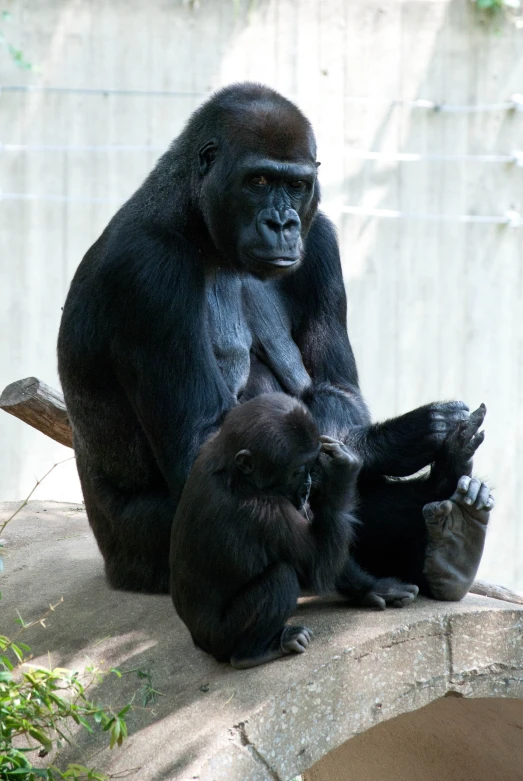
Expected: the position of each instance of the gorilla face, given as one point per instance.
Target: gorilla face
(258, 209)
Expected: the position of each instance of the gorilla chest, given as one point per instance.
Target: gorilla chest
(247, 316)
(228, 330)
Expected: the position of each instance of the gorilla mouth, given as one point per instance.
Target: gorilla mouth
(277, 262)
(281, 262)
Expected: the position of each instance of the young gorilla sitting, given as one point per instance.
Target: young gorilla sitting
(266, 513)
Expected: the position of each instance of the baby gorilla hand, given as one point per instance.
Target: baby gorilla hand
(338, 455)
(340, 468)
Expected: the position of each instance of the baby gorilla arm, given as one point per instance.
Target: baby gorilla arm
(341, 467)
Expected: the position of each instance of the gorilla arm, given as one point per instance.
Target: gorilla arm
(161, 353)
(397, 447)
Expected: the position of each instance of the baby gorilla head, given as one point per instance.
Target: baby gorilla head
(271, 442)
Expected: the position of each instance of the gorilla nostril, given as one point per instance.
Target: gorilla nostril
(274, 225)
(291, 224)
(280, 226)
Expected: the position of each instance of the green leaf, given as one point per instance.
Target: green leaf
(17, 652)
(85, 724)
(115, 734)
(41, 737)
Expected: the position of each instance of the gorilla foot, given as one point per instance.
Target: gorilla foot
(389, 591)
(456, 529)
(293, 640)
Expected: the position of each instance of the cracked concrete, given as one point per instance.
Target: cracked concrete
(213, 723)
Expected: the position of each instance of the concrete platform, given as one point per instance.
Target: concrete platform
(213, 723)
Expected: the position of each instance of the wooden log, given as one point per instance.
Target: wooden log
(40, 406)
(485, 589)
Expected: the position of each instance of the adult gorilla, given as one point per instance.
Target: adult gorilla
(219, 280)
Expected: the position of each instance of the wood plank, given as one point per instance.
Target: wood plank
(42, 407)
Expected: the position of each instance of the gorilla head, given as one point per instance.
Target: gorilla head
(270, 443)
(253, 178)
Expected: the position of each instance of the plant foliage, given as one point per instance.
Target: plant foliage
(38, 707)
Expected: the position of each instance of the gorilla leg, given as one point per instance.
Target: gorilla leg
(136, 559)
(253, 630)
(425, 531)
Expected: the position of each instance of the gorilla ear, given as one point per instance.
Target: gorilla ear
(243, 460)
(207, 156)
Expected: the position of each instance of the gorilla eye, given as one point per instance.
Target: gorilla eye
(299, 184)
(260, 180)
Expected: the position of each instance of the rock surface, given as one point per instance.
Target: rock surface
(211, 722)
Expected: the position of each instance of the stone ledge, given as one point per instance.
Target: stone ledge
(217, 724)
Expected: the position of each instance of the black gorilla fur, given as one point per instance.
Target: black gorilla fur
(186, 306)
(277, 531)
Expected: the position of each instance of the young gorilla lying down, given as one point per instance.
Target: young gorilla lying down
(267, 512)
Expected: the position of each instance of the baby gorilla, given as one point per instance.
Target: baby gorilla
(265, 514)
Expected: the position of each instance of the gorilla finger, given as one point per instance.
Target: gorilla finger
(463, 484)
(329, 440)
(454, 412)
(374, 600)
(476, 418)
(333, 449)
(296, 646)
(411, 588)
(483, 497)
(435, 511)
(402, 593)
(304, 637)
(457, 407)
(327, 447)
(475, 442)
(403, 601)
(472, 491)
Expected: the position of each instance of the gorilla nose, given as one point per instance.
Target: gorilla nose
(277, 227)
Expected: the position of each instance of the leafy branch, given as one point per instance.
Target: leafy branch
(38, 705)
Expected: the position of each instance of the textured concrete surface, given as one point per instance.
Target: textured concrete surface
(213, 723)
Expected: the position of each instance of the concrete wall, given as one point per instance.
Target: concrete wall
(452, 739)
(434, 307)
